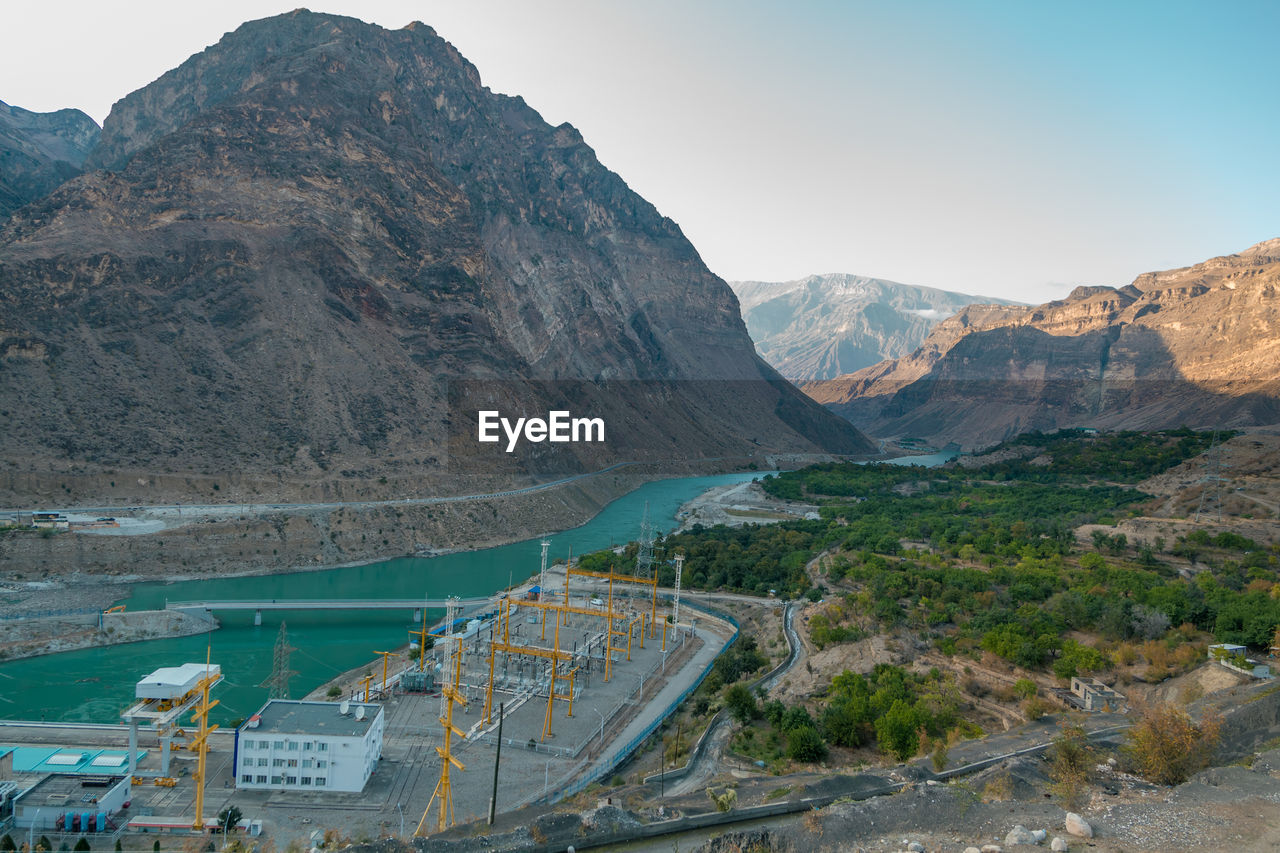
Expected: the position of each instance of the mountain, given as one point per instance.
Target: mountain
(292, 252)
(824, 326)
(39, 151)
(1198, 346)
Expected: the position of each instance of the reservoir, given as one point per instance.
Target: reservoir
(94, 685)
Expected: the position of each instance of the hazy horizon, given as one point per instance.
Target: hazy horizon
(995, 148)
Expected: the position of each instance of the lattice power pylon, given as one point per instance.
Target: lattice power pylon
(644, 553)
(542, 575)
(450, 696)
(1212, 480)
(277, 682)
(675, 604)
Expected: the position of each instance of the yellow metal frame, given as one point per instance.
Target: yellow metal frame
(444, 791)
(200, 743)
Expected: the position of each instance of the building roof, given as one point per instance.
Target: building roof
(66, 793)
(86, 761)
(171, 682)
(285, 716)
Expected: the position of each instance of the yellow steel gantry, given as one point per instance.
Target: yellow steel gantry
(444, 791)
(383, 691)
(613, 577)
(554, 654)
(200, 743)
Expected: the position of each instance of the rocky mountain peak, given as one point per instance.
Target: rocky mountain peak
(293, 241)
(40, 151)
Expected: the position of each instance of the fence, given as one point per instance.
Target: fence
(621, 755)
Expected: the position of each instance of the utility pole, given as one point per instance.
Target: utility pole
(497, 758)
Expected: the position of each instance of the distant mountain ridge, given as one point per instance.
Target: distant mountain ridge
(823, 326)
(288, 248)
(1198, 345)
(40, 151)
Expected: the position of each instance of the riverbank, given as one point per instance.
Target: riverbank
(738, 504)
(24, 638)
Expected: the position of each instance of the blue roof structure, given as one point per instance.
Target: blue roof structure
(70, 760)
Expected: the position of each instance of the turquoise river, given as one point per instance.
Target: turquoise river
(94, 685)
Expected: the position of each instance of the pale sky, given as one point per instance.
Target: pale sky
(1010, 149)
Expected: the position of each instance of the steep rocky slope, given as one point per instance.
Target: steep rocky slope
(824, 326)
(39, 151)
(1198, 345)
(290, 246)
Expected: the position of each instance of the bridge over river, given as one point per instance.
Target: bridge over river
(469, 605)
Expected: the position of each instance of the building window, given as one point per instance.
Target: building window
(248, 777)
(246, 762)
(322, 746)
(248, 744)
(307, 745)
(306, 780)
(291, 780)
(307, 762)
(262, 780)
(276, 780)
(262, 762)
(322, 764)
(277, 762)
(293, 762)
(262, 744)
(319, 781)
(293, 746)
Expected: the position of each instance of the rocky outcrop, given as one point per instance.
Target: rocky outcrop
(295, 243)
(39, 152)
(1198, 346)
(825, 326)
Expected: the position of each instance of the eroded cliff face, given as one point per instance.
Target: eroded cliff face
(287, 248)
(824, 326)
(1197, 346)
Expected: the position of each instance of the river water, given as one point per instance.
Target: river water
(94, 685)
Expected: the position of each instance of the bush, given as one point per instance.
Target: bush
(1035, 708)
(740, 703)
(805, 744)
(1070, 758)
(1167, 747)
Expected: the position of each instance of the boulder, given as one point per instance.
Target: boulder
(1058, 845)
(1019, 835)
(1077, 825)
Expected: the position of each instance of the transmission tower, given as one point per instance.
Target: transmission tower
(450, 694)
(644, 554)
(542, 575)
(1212, 481)
(675, 608)
(277, 682)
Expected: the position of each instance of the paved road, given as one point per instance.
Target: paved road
(237, 509)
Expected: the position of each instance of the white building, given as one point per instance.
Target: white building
(309, 746)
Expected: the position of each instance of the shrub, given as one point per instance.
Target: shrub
(1025, 688)
(1167, 747)
(805, 744)
(1071, 756)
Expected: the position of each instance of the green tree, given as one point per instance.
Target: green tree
(228, 818)
(805, 744)
(6, 843)
(897, 731)
(82, 845)
(741, 703)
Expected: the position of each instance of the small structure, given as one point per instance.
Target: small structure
(71, 803)
(50, 521)
(1233, 657)
(309, 746)
(1090, 694)
(163, 697)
